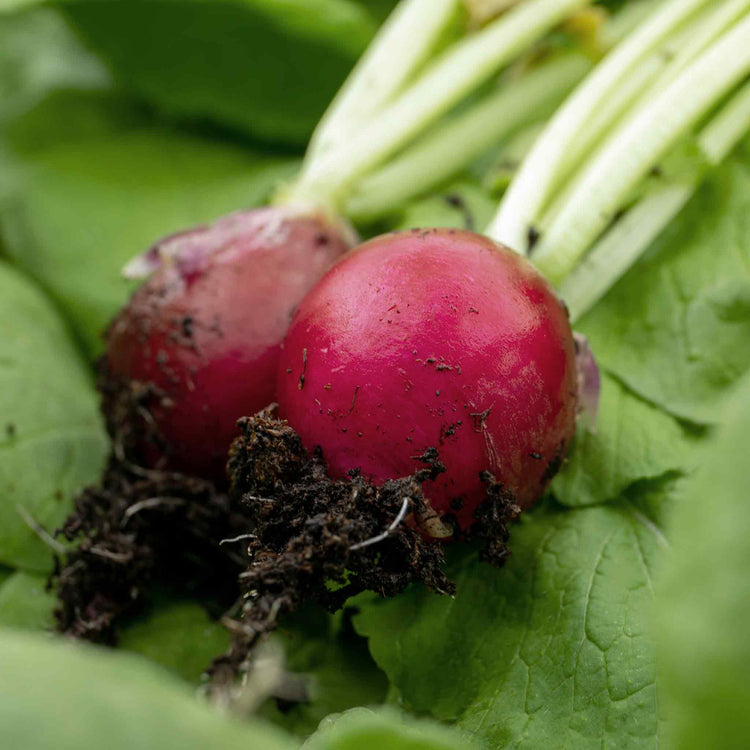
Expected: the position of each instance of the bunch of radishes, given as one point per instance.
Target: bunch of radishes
(425, 339)
(426, 383)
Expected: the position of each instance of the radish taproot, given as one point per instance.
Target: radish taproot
(198, 344)
(434, 339)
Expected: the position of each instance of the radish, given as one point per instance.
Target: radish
(434, 339)
(198, 344)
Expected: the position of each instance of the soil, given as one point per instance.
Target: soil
(317, 538)
(138, 530)
(283, 535)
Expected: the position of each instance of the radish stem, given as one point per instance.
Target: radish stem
(639, 144)
(482, 11)
(619, 249)
(451, 77)
(660, 69)
(404, 43)
(549, 163)
(460, 140)
(629, 238)
(727, 128)
(708, 27)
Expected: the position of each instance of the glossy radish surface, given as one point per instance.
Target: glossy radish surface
(439, 338)
(205, 329)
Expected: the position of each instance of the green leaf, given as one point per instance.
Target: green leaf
(267, 67)
(179, 635)
(632, 441)
(338, 663)
(363, 729)
(551, 651)
(54, 694)
(25, 603)
(11, 6)
(461, 205)
(51, 438)
(39, 53)
(86, 199)
(704, 597)
(378, 9)
(676, 328)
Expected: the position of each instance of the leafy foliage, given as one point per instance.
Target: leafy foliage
(704, 597)
(267, 67)
(363, 729)
(462, 204)
(178, 635)
(51, 438)
(675, 328)
(631, 441)
(553, 650)
(39, 53)
(337, 663)
(25, 602)
(54, 694)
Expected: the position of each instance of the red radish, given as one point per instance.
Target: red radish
(205, 329)
(438, 338)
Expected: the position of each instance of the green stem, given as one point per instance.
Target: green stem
(621, 247)
(640, 143)
(699, 36)
(454, 144)
(727, 128)
(450, 78)
(549, 163)
(403, 44)
(627, 20)
(629, 238)
(655, 74)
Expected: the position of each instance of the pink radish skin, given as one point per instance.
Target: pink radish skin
(207, 326)
(437, 338)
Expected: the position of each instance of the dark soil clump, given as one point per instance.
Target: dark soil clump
(284, 534)
(127, 407)
(320, 539)
(138, 530)
(493, 517)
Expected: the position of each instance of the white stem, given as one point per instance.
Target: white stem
(627, 20)
(548, 164)
(619, 249)
(706, 29)
(727, 128)
(637, 146)
(449, 148)
(403, 44)
(456, 73)
(629, 238)
(653, 75)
